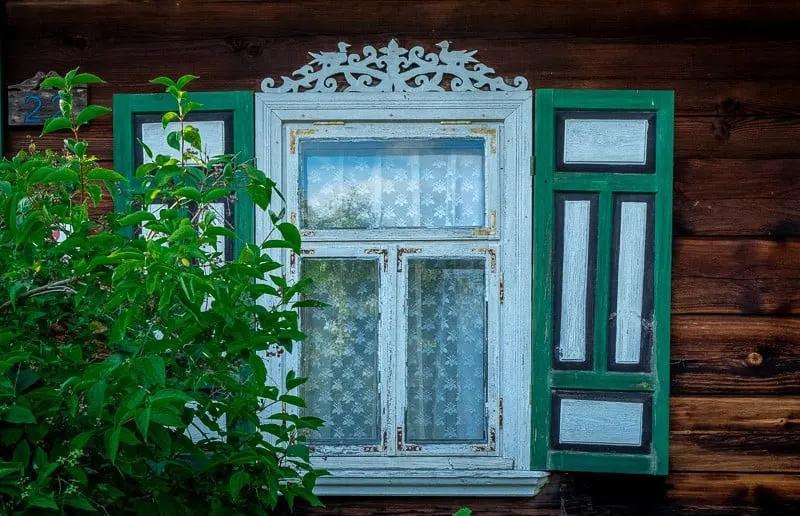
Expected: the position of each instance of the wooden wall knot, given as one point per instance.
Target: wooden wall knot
(754, 359)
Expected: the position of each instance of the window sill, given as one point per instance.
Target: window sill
(431, 483)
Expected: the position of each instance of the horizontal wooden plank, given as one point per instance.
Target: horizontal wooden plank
(751, 452)
(737, 198)
(733, 415)
(690, 494)
(735, 276)
(757, 356)
(244, 58)
(695, 138)
(595, 18)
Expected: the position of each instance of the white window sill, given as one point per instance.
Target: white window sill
(431, 483)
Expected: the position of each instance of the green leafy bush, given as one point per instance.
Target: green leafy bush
(133, 373)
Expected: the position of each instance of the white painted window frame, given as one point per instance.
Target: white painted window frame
(508, 472)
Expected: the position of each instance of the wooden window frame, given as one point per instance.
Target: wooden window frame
(281, 120)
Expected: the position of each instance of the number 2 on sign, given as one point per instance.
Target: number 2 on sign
(32, 117)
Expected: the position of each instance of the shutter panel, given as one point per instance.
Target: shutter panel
(602, 263)
(226, 124)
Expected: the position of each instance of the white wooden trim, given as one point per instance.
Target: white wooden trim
(512, 114)
(431, 483)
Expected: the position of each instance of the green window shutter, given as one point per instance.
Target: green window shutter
(602, 262)
(226, 124)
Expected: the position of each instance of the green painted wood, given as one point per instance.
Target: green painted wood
(240, 103)
(547, 182)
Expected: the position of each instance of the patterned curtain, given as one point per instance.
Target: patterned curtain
(446, 350)
(392, 184)
(340, 353)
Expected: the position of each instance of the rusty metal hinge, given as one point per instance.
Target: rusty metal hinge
(500, 414)
(492, 229)
(502, 294)
(492, 256)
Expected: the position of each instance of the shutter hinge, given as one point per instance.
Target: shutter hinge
(502, 294)
(500, 414)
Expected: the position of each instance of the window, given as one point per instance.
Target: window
(489, 321)
(415, 212)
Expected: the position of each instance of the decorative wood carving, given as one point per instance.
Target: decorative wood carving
(29, 105)
(393, 68)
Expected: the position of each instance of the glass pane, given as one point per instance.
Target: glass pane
(340, 353)
(446, 350)
(392, 183)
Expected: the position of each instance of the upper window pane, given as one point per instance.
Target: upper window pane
(392, 183)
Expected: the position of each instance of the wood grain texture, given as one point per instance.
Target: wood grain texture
(740, 19)
(714, 355)
(735, 277)
(737, 197)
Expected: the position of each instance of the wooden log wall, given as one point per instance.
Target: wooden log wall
(735, 69)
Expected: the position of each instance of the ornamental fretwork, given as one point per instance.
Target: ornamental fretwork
(393, 68)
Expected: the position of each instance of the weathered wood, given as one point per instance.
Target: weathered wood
(715, 355)
(695, 138)
(735, 276)
(733, 415)
(30, 105)
(596, 18)
(737, 198)
(242, 58)
(728, 494)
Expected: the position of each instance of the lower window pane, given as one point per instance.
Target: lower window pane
(446, 361)
(340, 353)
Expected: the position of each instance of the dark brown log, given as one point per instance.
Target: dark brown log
(737, 198)
(245, 58)
(596, 18)
(728, 416)
(712, 355)
(736, 276)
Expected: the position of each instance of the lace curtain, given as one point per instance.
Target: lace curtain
(446, 352)
(340, 353)
(392, 184)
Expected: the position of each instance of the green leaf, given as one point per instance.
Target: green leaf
(289, 399)
(89, 113)
(61, 175)
(291, 234)
(79, 441)
(215, 194)
(192, 137)
(186, 79)
(293, 381)
(83, 79)
(189, 192)
(105, 174)
(57, 82)
(164, 81)
(464, 511)
(151, 368)
(181, 233)
(238, 481)
(170, 396)
(79, 502)
(146, 148)
(112, 443)
(22, 454)
(168, 117)
(5, 188)
(46, 471)
(18, 414)
(43, 501)
(143, 421)
(56, 124)
(135, 218)
(258, 369)
(298, 450)
(174, 140)
(95, 399)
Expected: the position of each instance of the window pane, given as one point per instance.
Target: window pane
(446, 350)
(340, 353)
(392, 183)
